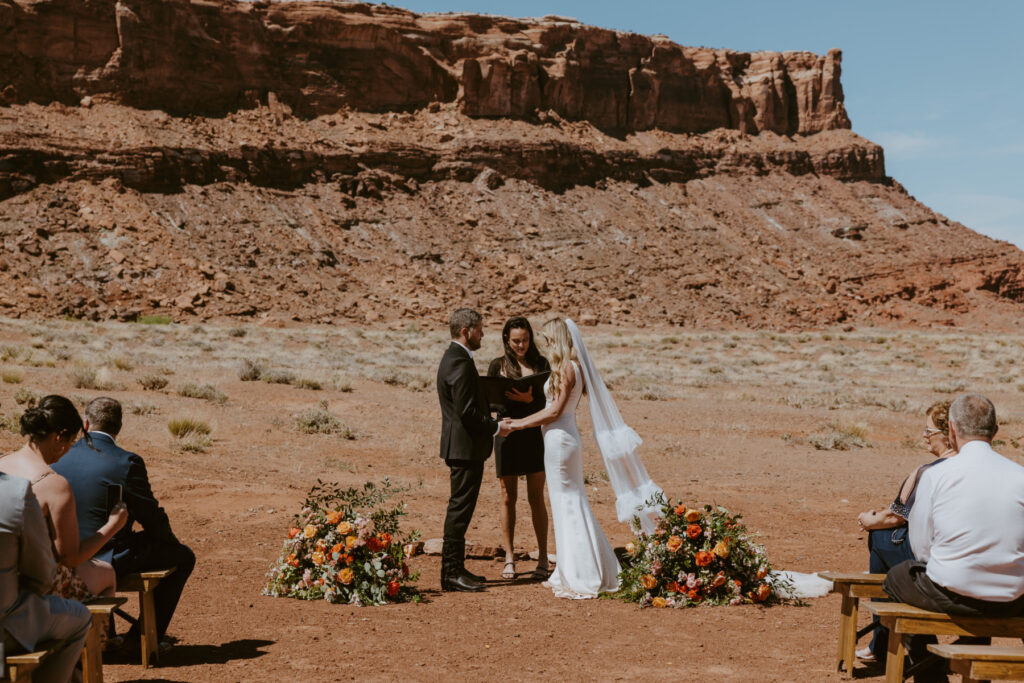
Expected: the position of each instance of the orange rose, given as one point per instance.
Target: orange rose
(373, 544)
(648, 581)
(693, 531)
(385, 539)
(630, 548)
(318, 558)
(658, 602)
(680, 510)
(321, 544)
(346, 575)
(338, 548)
(693, 595)
(721, 549)
(348, 559)
(674, 543)
(309, 531)
(292, 560)
(762, 572)
(762, 592)
(674, 587)
(718, 580)
(293, 532)
(692, 515)
(393, 587)
(704, 558)
(350, 541)
(333, 517)
(344, 528)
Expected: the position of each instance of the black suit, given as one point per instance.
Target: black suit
(89, 471)
(467, 435)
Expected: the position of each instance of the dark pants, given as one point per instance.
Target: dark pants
(153, 556)
(907, 582)
(886, 549)
(466, 476)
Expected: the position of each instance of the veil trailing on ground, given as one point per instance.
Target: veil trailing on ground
(618, 444)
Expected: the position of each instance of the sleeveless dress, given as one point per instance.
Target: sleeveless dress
(586, 564)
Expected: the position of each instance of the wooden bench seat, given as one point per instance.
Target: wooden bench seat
(144, 583)
(20, 667)
(92, 653)
(983, 662)
(852, 586)
(902, 619)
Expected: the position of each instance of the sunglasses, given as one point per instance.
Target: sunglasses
(929, 432)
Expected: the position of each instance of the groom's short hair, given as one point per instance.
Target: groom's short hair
(104, 415)
(461, 319)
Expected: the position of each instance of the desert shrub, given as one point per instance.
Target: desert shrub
(26, 397)
(11, 422)
(206, 392)
(839, 437)
(400, 378)
(278, 377)
(196, 443)
(10, 376)
(319, 421)
(83, 378)
(9, 352)
(183, 427)
(595, 476)
(236, 332)
(141, 408)
(307, 383)
(122, 363)
(153, 382)
(250, 371)
(949, 387)
(652, 394)
(344, 384)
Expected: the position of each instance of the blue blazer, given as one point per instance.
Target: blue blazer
(89, 471)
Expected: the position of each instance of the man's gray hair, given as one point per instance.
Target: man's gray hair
(973, 415)
(104, 415)
(463, 318)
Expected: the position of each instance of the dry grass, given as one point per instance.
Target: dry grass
(10, 376)
(182, 427)
(319, 421)
(153, 382)
(840, 437)
(26, 397)
(206, 392)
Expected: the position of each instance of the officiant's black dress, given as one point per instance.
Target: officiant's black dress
(520, 452)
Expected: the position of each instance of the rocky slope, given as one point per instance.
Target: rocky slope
(326, 162)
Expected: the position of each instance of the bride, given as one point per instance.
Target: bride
(586, 565)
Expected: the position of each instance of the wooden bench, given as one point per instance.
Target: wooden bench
(20, 667)
(92, 653)
(983, 662)
(902, 619)
(144, 583)
(852, 586)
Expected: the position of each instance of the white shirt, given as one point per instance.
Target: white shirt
(967, 524)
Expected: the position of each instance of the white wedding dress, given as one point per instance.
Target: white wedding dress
(586, 564)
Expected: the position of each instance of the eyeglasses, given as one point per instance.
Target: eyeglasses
(929, 432)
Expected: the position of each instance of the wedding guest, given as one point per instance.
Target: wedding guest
(967, 530)
(521, 453)
(90, 468)
(887, 529)
(51, 427)
(28, 616)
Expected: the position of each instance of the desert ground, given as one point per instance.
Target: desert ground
(798, 432)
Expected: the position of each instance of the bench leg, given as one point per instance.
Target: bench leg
(92, 655)
(894, 656)
(848, 633)
(148, 636)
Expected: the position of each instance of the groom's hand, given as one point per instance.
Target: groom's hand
(505, 427)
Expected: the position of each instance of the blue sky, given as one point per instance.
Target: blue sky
(939, 84)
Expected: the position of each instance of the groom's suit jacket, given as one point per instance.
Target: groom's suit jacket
(467, 429)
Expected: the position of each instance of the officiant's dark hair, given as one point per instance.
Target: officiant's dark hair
(510, 364)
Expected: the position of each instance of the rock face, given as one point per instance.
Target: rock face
(329, 162)
(217, 56)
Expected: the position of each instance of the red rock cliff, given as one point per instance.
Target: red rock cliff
(216, 56)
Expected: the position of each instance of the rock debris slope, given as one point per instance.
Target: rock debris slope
(325, 162)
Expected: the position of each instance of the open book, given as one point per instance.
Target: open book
(495, 387)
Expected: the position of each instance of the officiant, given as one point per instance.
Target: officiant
(521, 453)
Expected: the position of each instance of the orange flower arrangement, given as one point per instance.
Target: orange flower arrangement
(385, 538)
(693, 531)
(346, 575)
(658, 602)
(718, 580)
(350, 541)
(318, 558)
(344, 528)
(333, 517)
(692, 515)
(704, 558)
(294, 531)
(680, 510)
(721, 549)
(648, 581)
(309, 531)
(674, 543)
(374, 544)
(762, 592)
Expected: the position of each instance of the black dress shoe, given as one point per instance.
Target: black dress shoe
(475, 577)
(461, 583)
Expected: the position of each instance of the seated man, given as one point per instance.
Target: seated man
(966, 528)
(28, 617)
(89, 470)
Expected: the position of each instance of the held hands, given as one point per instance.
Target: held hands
(118, 516)
(520, 396)
(505, 427)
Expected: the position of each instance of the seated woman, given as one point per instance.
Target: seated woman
(888, 544)
(52, 427)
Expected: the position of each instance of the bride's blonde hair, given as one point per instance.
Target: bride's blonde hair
(559, 351)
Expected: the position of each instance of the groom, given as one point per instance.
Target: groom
(467, 434)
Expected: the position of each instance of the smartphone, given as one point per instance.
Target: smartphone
(113, 496)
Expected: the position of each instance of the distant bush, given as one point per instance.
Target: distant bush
(278, 377)
(306, 383)
(344, 384)
(153, 382)
(251, 370)
(949, 388)
(141, 408)
(10, 376)
(122, 363)
(839, 437)
(11, 422)
(319, 421)
(26, 397)
(206, 392)
(9, 352)
(236, 332)
(182, 427)
(197, 443)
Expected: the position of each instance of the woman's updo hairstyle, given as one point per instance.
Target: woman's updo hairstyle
(53, 414)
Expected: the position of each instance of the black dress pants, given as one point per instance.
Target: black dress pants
(907, 582)
(153, 556)
(466, 476)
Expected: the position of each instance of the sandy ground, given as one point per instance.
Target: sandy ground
(726, 417)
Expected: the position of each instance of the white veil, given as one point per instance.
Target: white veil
(618, 444)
